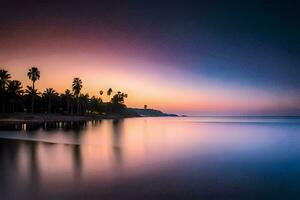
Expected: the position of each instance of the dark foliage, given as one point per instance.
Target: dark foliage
(16, 99)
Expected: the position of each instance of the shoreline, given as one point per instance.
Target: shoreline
(45, 118)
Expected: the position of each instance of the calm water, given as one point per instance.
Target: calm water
(154, 158)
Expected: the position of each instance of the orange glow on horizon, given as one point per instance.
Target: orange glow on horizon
(123, 66)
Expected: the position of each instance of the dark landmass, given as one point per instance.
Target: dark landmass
(150, 112)
(40, 118)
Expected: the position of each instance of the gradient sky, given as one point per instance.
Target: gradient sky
(216, 58)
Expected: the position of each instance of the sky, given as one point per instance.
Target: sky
(185, 57)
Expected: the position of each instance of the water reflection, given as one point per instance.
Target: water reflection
(48, 126)
(110, 158)
(77, 161)
(117, 132)
(33, 168)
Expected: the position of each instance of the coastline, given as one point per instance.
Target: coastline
(10, 121)
(16, 118)
(44, 118)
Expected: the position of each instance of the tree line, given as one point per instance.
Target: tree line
(15, 98)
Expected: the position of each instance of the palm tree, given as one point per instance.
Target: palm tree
(76, 86)
(34, 75)
(95, 104)
(32, 92)
(117, 101)
(14, 90)
(122, 97)
(49, 94)
(119, 98)
(68, 98)
(109, 91)
(84, 102)
(4, 78)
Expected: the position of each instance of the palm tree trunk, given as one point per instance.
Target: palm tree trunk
(68, 107)
(13, 107)
(3, 103)
(22, 106)
(49, 106)
(77, 106)
(32, 101)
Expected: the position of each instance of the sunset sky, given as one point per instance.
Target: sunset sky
(216, 58)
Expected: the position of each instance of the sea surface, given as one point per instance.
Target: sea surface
(153, 158)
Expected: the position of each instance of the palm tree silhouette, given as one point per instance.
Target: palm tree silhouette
(76, 86)
(13, 98)
(32, 92)
(84, 102)
(68, 96)
(34, 75)
(4, 78)
(49, 94)
(109, 91)
(14, 90)
(119, 98)
(95, 104)
(29, 90)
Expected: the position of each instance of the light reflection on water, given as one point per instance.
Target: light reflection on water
(153, 157)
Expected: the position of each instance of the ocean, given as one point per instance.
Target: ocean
(153, 158)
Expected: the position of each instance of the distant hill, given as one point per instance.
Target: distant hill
(148, 112)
